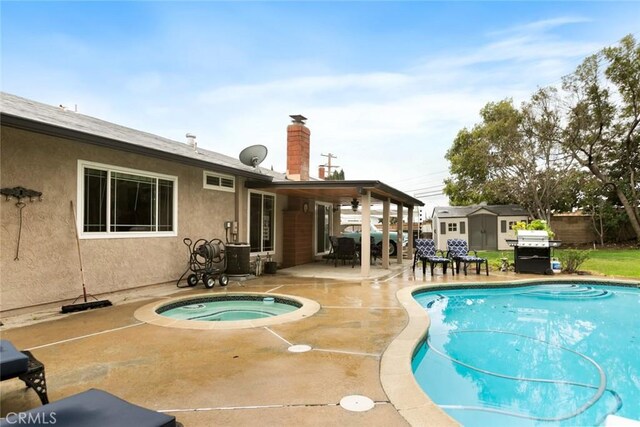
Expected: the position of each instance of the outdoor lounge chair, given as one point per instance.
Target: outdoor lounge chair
(95, 408)
(23, 365)
(458, 251)
(426, 252)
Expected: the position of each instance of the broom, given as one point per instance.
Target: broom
(86, 305)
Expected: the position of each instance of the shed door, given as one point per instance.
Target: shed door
(483, 232)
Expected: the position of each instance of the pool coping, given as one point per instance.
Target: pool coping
(148, 314)
(396, 374)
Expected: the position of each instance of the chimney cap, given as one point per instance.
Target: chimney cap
(298, 118)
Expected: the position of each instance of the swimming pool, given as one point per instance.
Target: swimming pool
(553, 354)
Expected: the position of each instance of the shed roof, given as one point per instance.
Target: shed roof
(464, 211)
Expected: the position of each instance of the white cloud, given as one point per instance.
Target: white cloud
(382, 125)
(542, 25)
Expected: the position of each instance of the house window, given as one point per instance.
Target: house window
(262, 221)
(118, 202)
(216, 181)
(452, 226)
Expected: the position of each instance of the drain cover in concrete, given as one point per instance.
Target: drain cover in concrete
(356, 403)
(300, 348)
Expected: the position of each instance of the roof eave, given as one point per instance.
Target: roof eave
(396, 196)
(88, 138)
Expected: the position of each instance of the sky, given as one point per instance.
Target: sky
(386, 86)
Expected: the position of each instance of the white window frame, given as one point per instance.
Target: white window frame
(82, 165)
(221, 176)
(329, 208)
(275, 221)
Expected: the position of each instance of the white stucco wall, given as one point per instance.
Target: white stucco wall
(510, 234)
(440, 239)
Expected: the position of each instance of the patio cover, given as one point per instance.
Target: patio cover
(342, 193)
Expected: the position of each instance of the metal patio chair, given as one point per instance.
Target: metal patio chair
(347, 251)
(333, 240)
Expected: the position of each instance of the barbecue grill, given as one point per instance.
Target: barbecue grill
(532, 251)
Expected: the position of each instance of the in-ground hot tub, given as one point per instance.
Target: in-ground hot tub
(227, 311)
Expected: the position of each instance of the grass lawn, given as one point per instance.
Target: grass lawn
(607, 262)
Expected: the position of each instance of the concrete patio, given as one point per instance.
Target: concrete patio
(232, 377)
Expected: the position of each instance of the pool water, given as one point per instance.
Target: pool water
(228, 309)
(553, 354)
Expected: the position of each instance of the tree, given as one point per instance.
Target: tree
(602, 129)
(470, 163)
(336, 176)
(610, 222)
(512, 157)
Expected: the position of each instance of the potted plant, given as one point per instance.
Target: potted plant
(536, 224)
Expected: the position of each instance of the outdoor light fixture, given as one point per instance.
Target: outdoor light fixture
(21, 193)
(354, 205)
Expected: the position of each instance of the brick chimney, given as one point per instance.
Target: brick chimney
(321, 172)
(298, 143)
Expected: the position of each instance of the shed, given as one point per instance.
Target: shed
(484, 227)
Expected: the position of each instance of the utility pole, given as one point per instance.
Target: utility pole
(328, 165)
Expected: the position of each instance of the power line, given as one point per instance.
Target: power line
(428, 196)
(429, 193)
(438, 186)
(419, 176)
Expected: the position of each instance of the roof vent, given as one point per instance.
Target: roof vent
(191, 140)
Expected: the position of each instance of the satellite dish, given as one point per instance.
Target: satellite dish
(253, 155)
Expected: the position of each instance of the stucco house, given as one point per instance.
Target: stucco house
(484, 227)
(133, 197)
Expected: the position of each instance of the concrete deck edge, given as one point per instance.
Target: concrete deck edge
(148, 314)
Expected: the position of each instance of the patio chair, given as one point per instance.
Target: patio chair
(346, 251)
(23, 365)
(375, 250)
(334, 247)
(458, 251)
(95, 408)
(426, 252)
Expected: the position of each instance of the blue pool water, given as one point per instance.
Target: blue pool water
(228, 308)
(553, 354)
